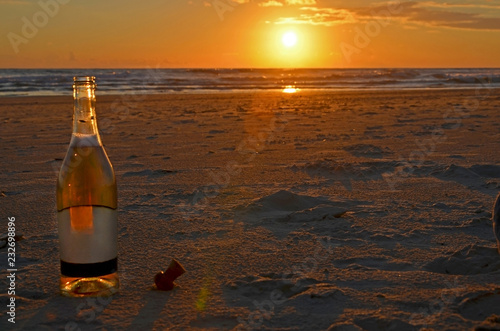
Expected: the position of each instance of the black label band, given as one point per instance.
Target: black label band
(89, 269)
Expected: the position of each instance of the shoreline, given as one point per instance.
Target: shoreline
(277, 90)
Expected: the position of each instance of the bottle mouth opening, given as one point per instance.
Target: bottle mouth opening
(84, 80)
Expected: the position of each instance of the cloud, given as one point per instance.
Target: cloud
(319, 16)
(436, 15)
(271, 3)
(300, 2)
(459, 5)
(274, 3)
(428, 13)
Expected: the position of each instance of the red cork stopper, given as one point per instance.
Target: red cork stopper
(164, 280)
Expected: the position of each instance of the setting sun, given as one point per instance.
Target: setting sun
(289, 46)
(289, 39)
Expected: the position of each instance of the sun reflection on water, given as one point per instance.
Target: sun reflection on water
(290, 89)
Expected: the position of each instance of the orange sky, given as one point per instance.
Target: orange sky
(247, 33)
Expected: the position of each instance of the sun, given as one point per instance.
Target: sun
(289, 39)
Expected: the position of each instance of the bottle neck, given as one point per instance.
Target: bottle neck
(84, 118)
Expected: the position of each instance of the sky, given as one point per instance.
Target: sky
(249, 33)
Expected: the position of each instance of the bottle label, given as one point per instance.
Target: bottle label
(88, 234)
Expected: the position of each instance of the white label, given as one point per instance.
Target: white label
(88, 234)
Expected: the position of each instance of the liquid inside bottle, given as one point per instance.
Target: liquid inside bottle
(86, 205)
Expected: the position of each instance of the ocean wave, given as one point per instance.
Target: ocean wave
(117, 81)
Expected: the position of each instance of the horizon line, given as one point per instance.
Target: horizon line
(239, 68)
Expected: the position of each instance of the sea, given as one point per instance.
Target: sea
(39, 82)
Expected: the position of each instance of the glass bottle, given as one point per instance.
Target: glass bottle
(86, 205)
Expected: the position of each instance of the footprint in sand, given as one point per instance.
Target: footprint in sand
(277, 291)
(482, 307)
(470, 260)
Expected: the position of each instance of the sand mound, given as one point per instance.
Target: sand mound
(382, 323)
(486, 170)
(470, 260)
(257, 286)
(368, 150)
(345, 172)
(285, 206)
(454, 171)
(373, 263)
(148, 173)
(476, 171)
(481, 177)
(285, 201)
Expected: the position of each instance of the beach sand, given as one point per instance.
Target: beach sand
(308, 211)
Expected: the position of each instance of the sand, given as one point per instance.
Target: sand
(309, 211)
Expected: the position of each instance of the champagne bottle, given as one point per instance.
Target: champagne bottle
(86, 205)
